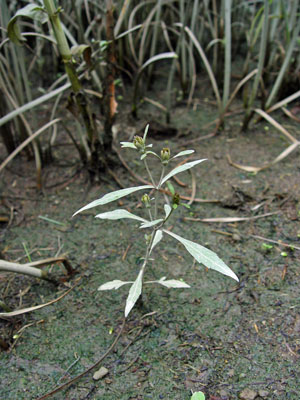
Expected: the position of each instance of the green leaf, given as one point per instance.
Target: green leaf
(157, 238)
(183, 153)
(109, 197)
(181, 168)
(152, 152)
(145, 133)
(172, 283)
(134, 293)
(171, 188)
(168, 209)
(52, 221)
(116, 284)
(204, 256)
(198, 396)
(149, 224)
(128, 144)
(119, 214)
(32, 11)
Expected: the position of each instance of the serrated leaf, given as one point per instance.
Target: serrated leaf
(128, 144)
(198, 396)
(173, 283)
(181, 168)
(109, 197)
(204, 256)
(168, 209)
(183, 153)
(119, 214)
(134, 293)
(32, 11)
(157, 238)
(116, 284)
(151, 223)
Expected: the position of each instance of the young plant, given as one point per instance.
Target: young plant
(156, 223)
(198, 396)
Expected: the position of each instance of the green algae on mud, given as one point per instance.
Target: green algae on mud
(217, 336)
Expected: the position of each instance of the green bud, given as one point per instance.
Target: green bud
(175, 200)
(146, 200)
(139, 143)
(165, 155)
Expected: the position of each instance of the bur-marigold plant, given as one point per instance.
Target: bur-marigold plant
(154, 222)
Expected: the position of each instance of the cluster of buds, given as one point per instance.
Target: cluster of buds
(175, 200)
(139, 143)
(146, 200)
(165, 155)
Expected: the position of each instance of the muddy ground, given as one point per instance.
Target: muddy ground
(232, 341)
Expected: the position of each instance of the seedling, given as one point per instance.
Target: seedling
(198, 396)
(156, 222)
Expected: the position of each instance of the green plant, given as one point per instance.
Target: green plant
(155, 222)
(198, 396)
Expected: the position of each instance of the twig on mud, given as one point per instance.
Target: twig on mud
(179, 182)
(18, 335)
(194, 187)
(230, 219)
(132, 341)
(68, 369)
(130, 364)
(115, 178)
(279, 242)
(59, 388)
(26, 310)
(126, 252)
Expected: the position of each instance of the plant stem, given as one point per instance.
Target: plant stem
(149, 172)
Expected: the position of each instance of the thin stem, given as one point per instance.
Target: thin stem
(149, 172)
(158, 187)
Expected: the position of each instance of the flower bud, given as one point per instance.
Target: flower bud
(146, 200)
(175, 200)
(165, 155)
(139, 143)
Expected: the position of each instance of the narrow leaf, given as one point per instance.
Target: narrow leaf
(145, 133)
(183, 153)
(151, 223)
(173, 283)
(134, 293)
(157, 238)
(32, 11)
(128, 144)
(171, 188)
(119, 214)
(204, 256)
(168, 209)
(116, 284)
(109, 197)
(181, 168)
